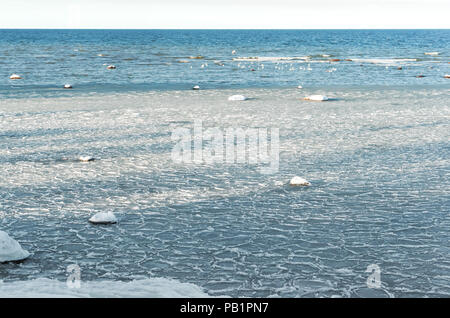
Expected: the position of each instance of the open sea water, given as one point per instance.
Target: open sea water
(156, 59)
(377, 157)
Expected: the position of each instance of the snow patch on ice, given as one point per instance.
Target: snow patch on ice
(10, 249)
(149, 288)
(317, 98)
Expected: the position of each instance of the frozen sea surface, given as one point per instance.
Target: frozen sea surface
(378, 160)
(180, 59)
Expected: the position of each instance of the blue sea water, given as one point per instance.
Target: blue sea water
(149, 59)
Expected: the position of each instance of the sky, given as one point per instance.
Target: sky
(225, 14)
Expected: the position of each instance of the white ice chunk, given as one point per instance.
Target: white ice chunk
(317, 98)
(10, 249)
(103, 218)
(237, 98)
(299, 181)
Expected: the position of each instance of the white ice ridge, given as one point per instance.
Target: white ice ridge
(10, 249)
(237, 98)
(317, 98)
(431, 53)
(299, 181)
(86, 158)
(103, 218)
(148, 288)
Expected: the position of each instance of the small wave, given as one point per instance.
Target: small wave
(148, 288)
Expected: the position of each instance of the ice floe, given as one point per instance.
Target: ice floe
(299, 181)
(317, 98)
(237, 98)
(10, 249)
(86, 158)
(103, 218)
(432, 53)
